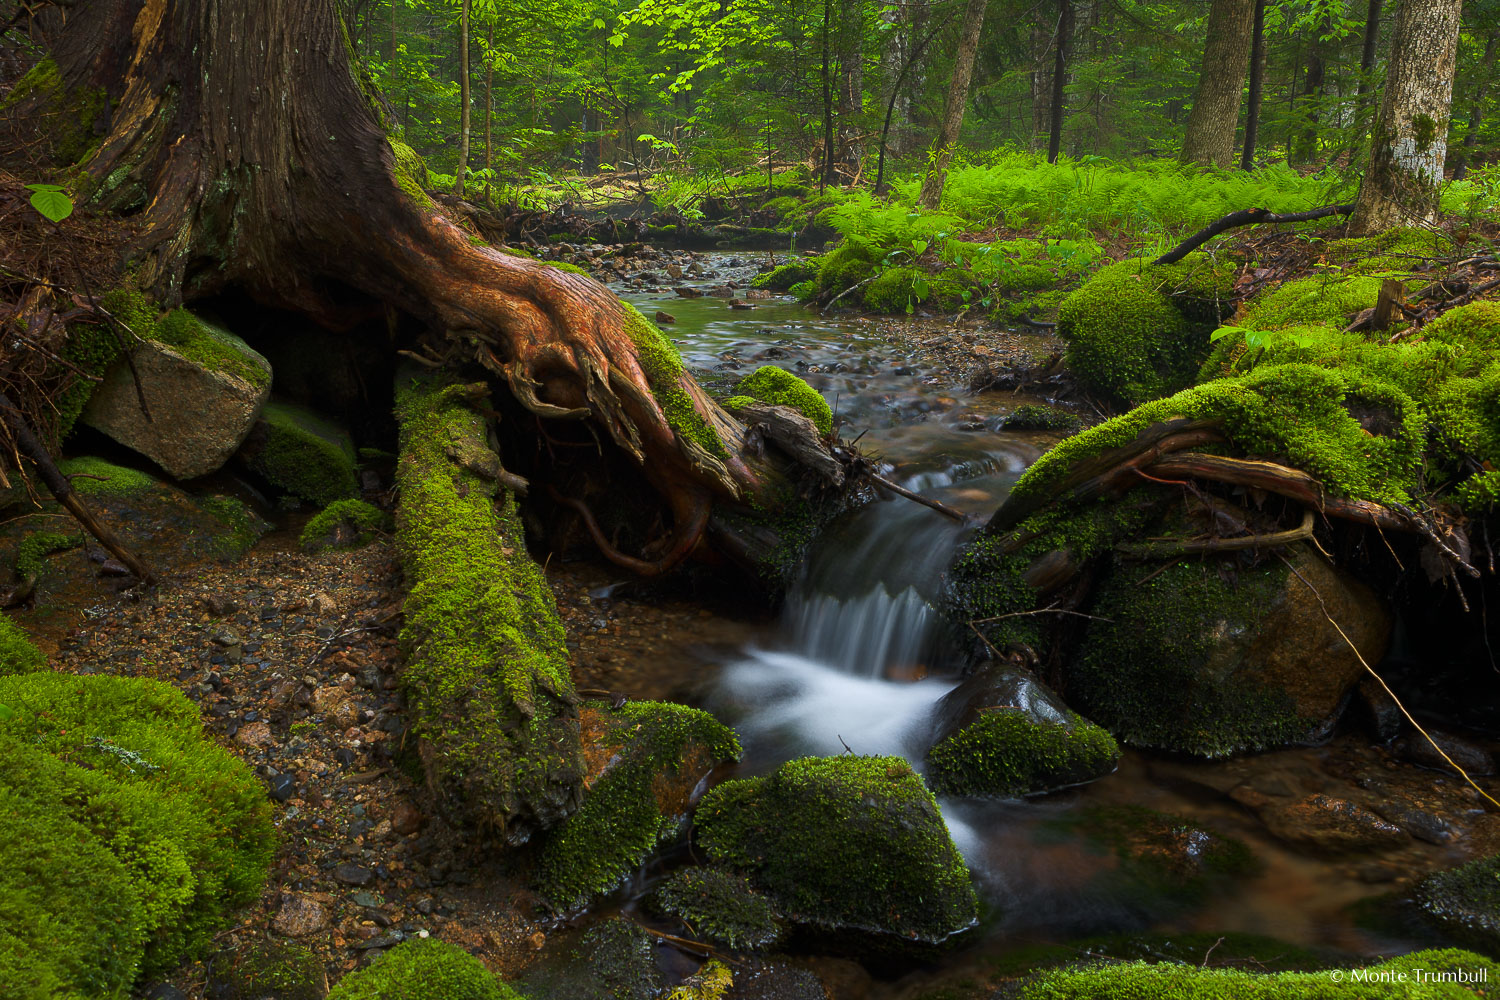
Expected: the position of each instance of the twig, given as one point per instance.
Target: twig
(936, 505)
(1182, 547)
(1209, 952)
(1040, 611)
(858, 284)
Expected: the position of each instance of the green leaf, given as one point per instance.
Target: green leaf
(598, 22)
(1227, 331)
(919, 247)
(51, 201)
(921, 288)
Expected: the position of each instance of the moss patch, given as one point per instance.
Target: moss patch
(69, 114)
(32, 553)
(343, 524)
(662, 364)
(1465, 902)
(657, 754)
(720, 906)
(95, 477)
(17, 653)
(782, 278)
(423, 969)
(411, 174)
(212, 347)
(851, 843)
(129, 839)
(306, 455)
(779, 387)
(1005, 752)
(487, 671)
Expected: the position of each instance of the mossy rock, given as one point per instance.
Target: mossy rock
(843, 844)
(845, 266)
(343, 524)
(1002, 733)
(1465, 902)
(1041, 417)
(302, 453)
(1139, 331)
(486, 680)
(270, 970)
(1409, 977)
(712, 982)
(1213, 659)
(18, 655)
(423, 969)
(615, 960)
(779, 387)
(130, 838)
(782, 278)
(662, 364)
(651, 756)
(719, 906)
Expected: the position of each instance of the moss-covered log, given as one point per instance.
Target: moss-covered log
(487, 671)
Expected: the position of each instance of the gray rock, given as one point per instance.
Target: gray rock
(202, 405)
(1473, 758)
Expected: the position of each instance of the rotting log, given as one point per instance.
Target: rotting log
(492, 702)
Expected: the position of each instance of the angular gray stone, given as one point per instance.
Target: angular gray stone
(201, 412)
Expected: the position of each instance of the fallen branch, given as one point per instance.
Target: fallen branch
(936, 505)
(58, 484)
(1196, 546)
(857, 284)
(1246, 217)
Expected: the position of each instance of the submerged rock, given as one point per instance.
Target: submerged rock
(645, 761)
(719, 906)
(420, 968)
(1004, 733)
(204, 386)
(1465, 902)
(1323, 824)
(615, 960)
(1171, 858)
(1209, 659)
(844, 844)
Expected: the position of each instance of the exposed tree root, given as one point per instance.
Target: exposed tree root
(686, 537)
(1198, 546)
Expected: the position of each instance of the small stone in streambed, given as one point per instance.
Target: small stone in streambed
(352, 874)
(299, 917)
(1467, 754)
(282, 787)
(662, 316)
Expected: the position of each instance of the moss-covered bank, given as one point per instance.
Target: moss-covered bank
(487, 669)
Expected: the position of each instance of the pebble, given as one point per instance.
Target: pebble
(299, 916)
(282, 787)
(352, 874)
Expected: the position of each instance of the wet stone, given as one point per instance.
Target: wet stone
(352, 874)
(299, 916)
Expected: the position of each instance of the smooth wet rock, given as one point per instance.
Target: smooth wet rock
(352, 874)
(1004, 733)
(202, 402)
(1379, 710)
(282, 787)
(1325, 824)
(1475, 759)
(303, 453)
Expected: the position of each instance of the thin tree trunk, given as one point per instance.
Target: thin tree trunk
(1305, 145)
(1476, 110)
(489, 99)
(1041, 81)
(825, 175)
(851, 102)
(1401, 183)
(463, 99)
(1367, 52)
(1209, 139)
(1060, 79)
(953, 108)
(1257, 75)
(393, 35)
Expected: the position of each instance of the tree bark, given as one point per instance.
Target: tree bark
(303, 209)
(1257, 76)
(1041, 81)
(1059, 79)
(851, 102)
(1304, 146)
(1400, 185)
(1216, 104)
(1368, 49)
(953, 108)
(463, 99)
(1476, 110)
(825, 175)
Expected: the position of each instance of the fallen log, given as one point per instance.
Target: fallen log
(1246, 217)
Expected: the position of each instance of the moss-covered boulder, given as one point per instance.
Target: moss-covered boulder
(203, 385)
(782, 278)
(1211, 658)
(846, 266)
(719, 906)
(343, 524)
(1465, 902)
(423, 969)
(1004, 733)
(647, 759)
(486, 679)
(300, 452)
(1422, 975)
(843, 844)
(269, 970)
(1139, 331)
(779, 387)
(127, 839)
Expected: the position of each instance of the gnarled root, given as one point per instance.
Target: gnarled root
(692, 514)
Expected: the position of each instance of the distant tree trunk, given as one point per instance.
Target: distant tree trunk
(851, 96)
(1257, 76)
(1401, 183)
(1476, 110)
(1041, 81)
(1305, 141)
(1368, 49)
(393, 35)
(826, 175)
(953, 108)
(1216, 104)
(1060, 78)
(463, 99)
(489, 104)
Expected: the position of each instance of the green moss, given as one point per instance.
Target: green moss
(306, 455)
(712, 982)
(1005, 752)
(662, 364)
(272, 971)
(734, 403)
(847, 265)
(411, 174)
(1169, 855)
(212, 348)
(1465, 902)
(1404, 978)
(165, 834)
(359, 520)
(803, 290)
(782, 278)
(1139, 331)
(69, 115)
(843, 843)
(242, 528)
(1328, 299)
(91, 349)
(32, 553)
(95, 477)
(655, 748)
(1040, 417)
(487, 679)
(17, 653)
(719, 906)
(423, 969)
(779, 387)
(1472, 329)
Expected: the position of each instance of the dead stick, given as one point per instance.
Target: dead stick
(902, 491)
(63, 490)
(1188, 546)
(1246, 217)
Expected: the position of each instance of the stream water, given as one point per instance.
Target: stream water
(857, 660)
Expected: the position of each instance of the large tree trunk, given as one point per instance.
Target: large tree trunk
(953, 108)
(1400, 185)
(851, 102)
(271, 175)
(1216, 104)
